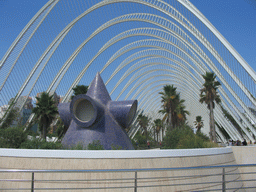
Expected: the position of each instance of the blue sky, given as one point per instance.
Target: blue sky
(235, 19)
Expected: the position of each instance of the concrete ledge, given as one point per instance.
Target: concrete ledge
(109, 154)
(121, 159)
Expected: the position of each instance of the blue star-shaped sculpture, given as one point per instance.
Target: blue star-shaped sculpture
(94, 116)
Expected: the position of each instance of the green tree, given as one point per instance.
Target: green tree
(79, 89)
(169, 97)
(198, 123)
(45, 112)
(143, 121)
(209, 96)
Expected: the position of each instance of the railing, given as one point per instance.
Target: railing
(217, 179)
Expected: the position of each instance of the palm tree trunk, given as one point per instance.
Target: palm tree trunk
(155, 134)
(212, 124)
(169, 123)
(146, 132)
(45, 126)
(163, 132)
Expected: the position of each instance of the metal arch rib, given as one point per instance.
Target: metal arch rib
(145, 87)
(150, 64)
(179, 33)
(164, 64)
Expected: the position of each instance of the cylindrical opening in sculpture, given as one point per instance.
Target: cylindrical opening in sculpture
(123, 111)
(132, 113)
(83, 110)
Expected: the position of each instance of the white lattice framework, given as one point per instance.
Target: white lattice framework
(138, 46)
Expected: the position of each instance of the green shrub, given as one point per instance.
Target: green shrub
(116, 147)
(190, 142)
(210, 144)
(95, 145)
(40, 144)
(140, 141)
(78, 146)
(12, 137)
(51, 145)
(203, 136)
(172, 138)
(184, 138)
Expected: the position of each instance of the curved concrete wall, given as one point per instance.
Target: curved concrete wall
(246, 155)
(63, 159)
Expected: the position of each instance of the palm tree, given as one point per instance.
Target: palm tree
(209, 96)
(158, 126)
(169, 97)
(45, 111)
(198, 123)
(179, 114)
(143, 121)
